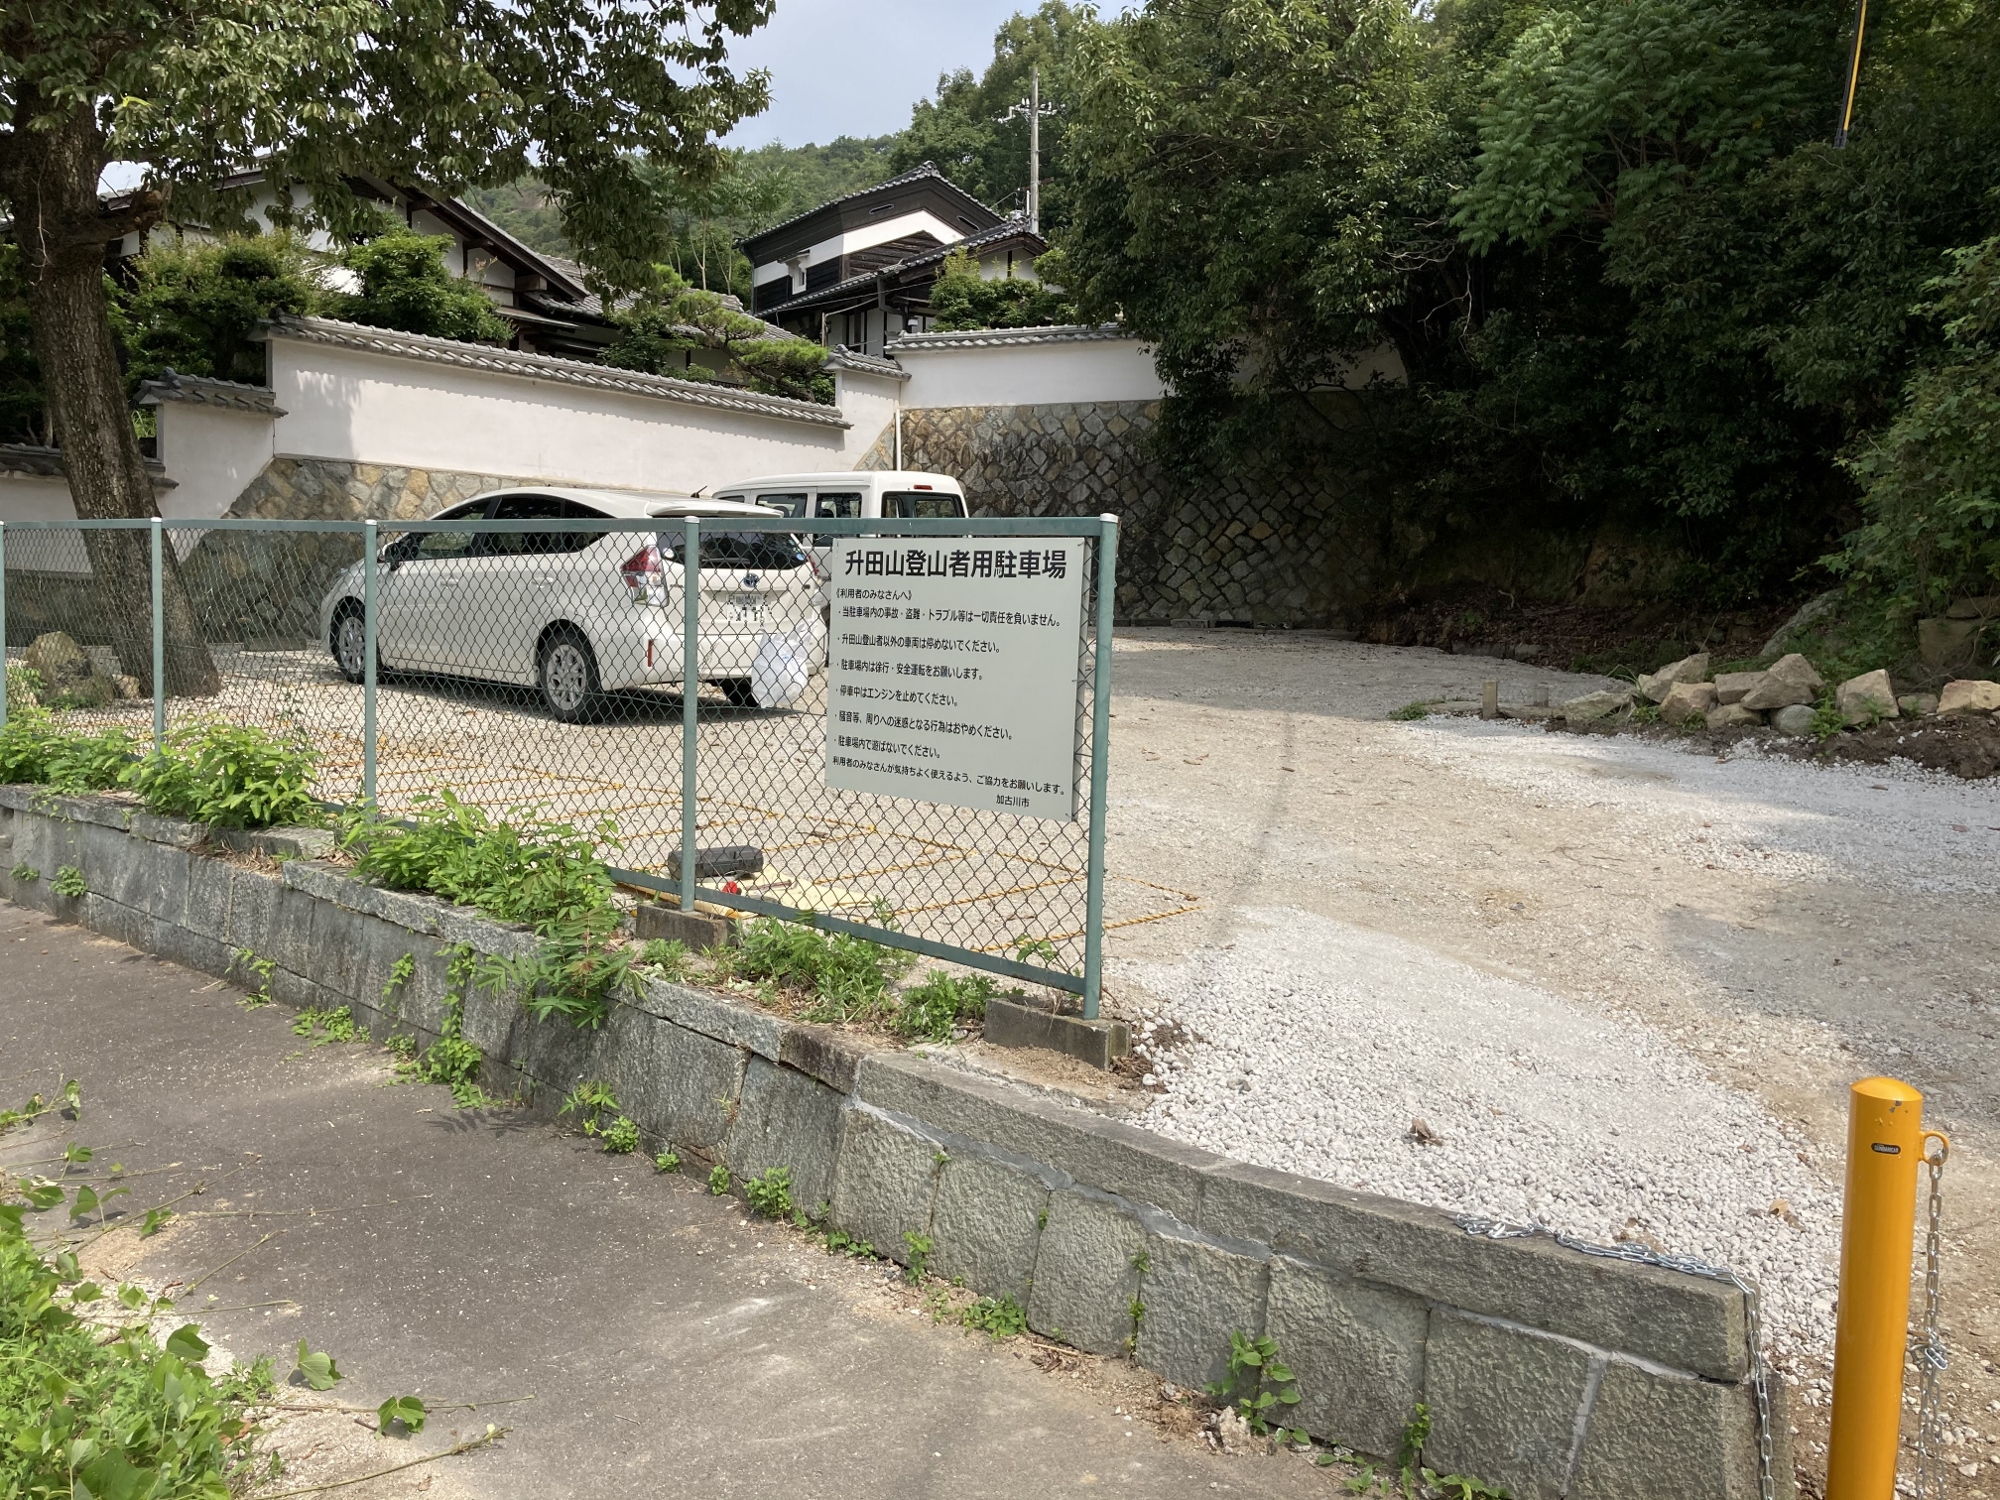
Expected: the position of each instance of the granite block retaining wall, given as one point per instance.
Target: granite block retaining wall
(1558, 1374)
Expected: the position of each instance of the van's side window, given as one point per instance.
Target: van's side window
(841, 506)
(928, 505)
(785, 505)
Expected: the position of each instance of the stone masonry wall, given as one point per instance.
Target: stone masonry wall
(1227, 552)
(1561, 1375)
(264, 589)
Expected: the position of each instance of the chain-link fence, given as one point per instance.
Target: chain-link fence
(895, 728)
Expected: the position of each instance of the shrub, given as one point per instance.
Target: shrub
(404, 284)
(847, 977)
(87, 1412)
(962, 298)
(235, 776)
(1933, 478)
(522, 868)
(196, 308)
(930, 1010)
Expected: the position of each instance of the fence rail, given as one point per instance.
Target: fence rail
(669, 680)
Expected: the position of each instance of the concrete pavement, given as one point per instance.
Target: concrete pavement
(670, 1346)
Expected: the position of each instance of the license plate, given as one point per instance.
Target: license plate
(745, 610)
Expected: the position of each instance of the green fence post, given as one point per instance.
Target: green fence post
(690, 696)
(1100, 764)
(369, 537)
(159, 640)
(3, 624)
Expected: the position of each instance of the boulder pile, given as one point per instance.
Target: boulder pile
(67, 676)
(1787, 696)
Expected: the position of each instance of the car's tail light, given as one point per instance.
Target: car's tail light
(645, 579)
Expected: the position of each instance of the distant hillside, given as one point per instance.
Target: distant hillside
(794, 179)
(814, 174)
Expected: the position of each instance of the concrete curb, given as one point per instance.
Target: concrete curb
(1560, 1375)
(1098, 1043)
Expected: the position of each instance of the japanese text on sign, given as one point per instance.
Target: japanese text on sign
(952, 672)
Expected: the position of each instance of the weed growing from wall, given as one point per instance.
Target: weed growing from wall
(770, 1192)
(1260, 1386)
(450, 1060)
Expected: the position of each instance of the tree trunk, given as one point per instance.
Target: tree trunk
(62, 231)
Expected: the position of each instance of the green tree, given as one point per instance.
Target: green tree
(404, 284)
(660, 333)
(1259, 188)
(1933, 477)
(1754, 287)
(818, 174)
(961, 298)
(963, 129)
(319, 92)
(196, 307)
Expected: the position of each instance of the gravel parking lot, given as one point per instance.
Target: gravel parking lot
(1624, 986)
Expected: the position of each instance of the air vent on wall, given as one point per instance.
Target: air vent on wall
(880, 208)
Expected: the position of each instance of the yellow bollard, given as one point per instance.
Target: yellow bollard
(1885, 1147)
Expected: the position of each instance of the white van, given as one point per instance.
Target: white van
(858, 494)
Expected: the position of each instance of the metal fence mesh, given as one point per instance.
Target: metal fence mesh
(539, 670)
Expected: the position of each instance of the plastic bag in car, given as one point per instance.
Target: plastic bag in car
(781, 669)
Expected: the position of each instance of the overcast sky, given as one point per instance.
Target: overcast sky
(854, 67)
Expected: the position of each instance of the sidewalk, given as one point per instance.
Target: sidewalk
(671, 1348)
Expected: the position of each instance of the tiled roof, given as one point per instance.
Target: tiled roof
(48, 463)
(928, 169)
(998, 234)
(993, 338)
(549, 367)
(204, 391)
(844, 358)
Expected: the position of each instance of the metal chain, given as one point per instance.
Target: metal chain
(1760, 1385)
(1931, 1467)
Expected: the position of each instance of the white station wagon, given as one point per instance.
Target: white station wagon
(579, 614)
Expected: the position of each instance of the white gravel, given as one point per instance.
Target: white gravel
(1917, 830)
(1321, 1043)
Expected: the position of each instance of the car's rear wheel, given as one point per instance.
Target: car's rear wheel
(567, 675)
(349, 641)
(737, 690)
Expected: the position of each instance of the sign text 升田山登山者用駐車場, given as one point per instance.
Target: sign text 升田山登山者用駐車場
(952, 671)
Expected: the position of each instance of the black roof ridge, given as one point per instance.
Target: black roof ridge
(902, 179)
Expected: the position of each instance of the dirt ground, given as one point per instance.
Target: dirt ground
(1260, 772)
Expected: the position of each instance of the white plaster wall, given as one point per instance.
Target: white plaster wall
(383, 409)
(363, 407)
(1030, 374)
(211, 453)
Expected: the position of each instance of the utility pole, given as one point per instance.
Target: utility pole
(1035, 110)
(1035, 150)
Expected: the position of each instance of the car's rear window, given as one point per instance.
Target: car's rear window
(747, 551)
(921, 505)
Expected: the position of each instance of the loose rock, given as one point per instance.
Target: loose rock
(1592, 706)
(1731, 686)
(1791, 679)
(1687, 700)
(1733, 716)
(1656, 685)
(1969, 695)
(1794, 719)
(1916, 705)
(1867, 698)
(69, 677)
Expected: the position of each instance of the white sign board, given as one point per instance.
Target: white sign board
(952, 671)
